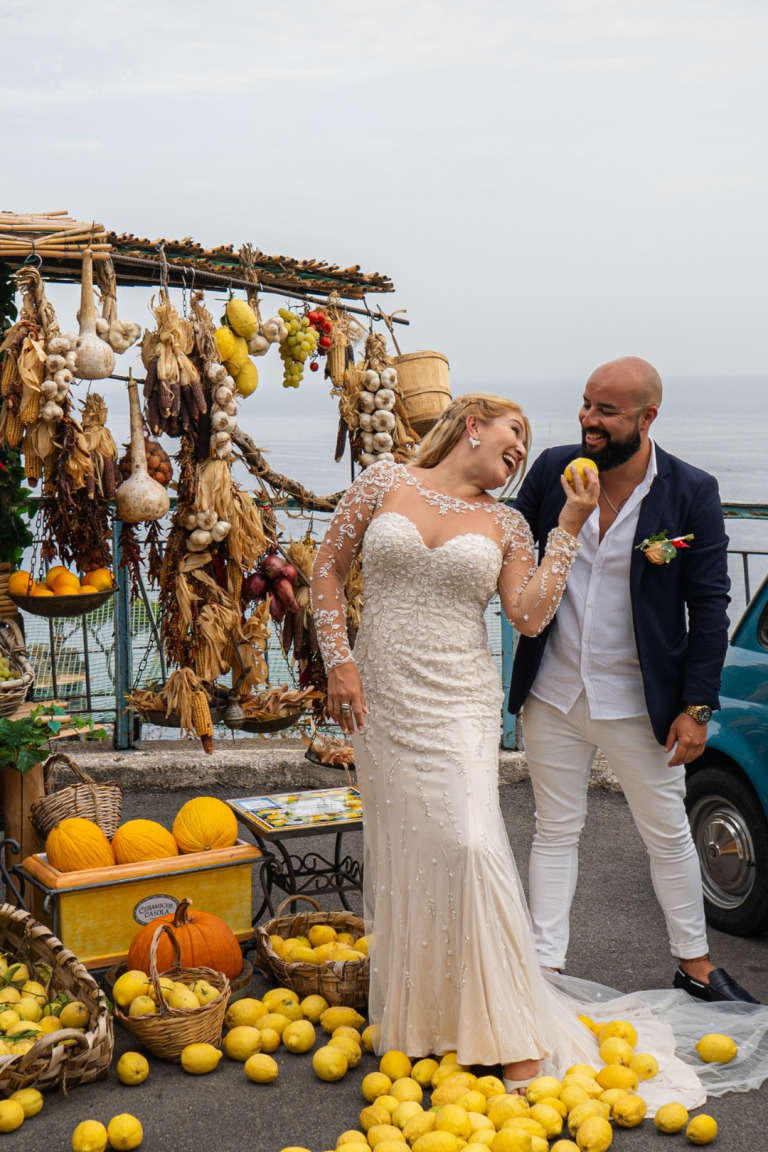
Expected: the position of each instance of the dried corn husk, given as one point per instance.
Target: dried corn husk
(332, 750)
(178, 694)
(247, 540)
(256, 632)
(277, 701)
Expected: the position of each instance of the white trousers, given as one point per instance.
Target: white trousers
(559, 748)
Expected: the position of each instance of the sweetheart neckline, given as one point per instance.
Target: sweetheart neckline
(438, 547)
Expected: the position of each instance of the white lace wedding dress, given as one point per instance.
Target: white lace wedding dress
(453, 963)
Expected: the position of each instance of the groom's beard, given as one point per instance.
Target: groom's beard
(614, 453)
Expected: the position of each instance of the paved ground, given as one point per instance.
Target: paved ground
(618, 938)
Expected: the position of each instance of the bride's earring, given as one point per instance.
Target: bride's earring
(474, 442)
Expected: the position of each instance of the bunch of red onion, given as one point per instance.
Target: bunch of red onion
(275, 578)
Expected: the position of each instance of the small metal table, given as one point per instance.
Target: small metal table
(312, 873)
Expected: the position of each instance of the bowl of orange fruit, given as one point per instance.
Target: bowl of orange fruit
(61, 592)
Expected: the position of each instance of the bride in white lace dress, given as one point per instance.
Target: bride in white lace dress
(453, 964)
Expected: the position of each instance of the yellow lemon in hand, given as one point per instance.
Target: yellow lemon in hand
(581, 465)
(701, 1130)
(714, 1048)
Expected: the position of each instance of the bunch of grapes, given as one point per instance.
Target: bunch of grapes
(6, 672)
(297, 347)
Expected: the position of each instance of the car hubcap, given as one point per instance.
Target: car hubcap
(725, 849)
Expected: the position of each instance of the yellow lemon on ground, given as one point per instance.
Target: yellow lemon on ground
(572, 1095)
(477, 1145)
(372, 1115)
(30, 1099)
(418, 1126)
(444, 1072)
(581, 1070)
(405, 1111)
(246, 1011)
(128, 986)
(671, 1118)
(617, 1076)
(611, 1095)
(594, 1135)
(200, 1058)
(525, 1124)
(489, 1086)
(345, 1044)
(580, 465)
(11, 1115)
(621, 1028)
(550, 1120)
(375, 1084)
(350, 1033)
(351, 1136)
(329, 1064)
(8, 1020)
(275, 995)
(90, 1136)
(422, 1071)
(453, 1118)
(702, 1129)
(395, 1064)
(512, 1140)
(274, 1020)
(564, 1146)
(299, 1036)
(714, 1048)
(183, 997)
(381, 1132)
(616, 1051)
(388, 1102)
(270, 1040)
(260, 1068)
(334, 1018)
(473, 1101)
(143, 1006)
(503, 1108)
(644, 1065)
(370, 1037)
(543, 1086)
(321, 934)
(452, 1089)
(579, 1114)
(556, 1103)
(313, 1008)
(436, 1142)
(628, 1111)
(132, 1068)
(240, 1043)
(288, 1008)
(124, 1132)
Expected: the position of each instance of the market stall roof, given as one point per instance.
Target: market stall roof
(58, 240)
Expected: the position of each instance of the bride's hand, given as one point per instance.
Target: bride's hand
(581, 500)
(345, 688)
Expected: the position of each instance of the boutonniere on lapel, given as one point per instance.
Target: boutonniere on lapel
(659, 549)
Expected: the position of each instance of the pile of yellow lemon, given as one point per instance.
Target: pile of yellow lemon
(59, 581)
(28, 1010)
(135, 992)
(124, 1132)
(321, 945)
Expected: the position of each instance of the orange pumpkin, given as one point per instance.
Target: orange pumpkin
(138, 840)
(205, 823)
(205, 941)
(76, 844)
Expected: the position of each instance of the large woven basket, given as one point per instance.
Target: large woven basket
(340, 981)
(101, 803)
(13, 693)
(7, 606)
(169, 1031)
(52, 1063)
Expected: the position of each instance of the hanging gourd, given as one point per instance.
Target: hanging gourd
(139, 499)
(94, 359)
(203, 824)
(205, 941)
(75, 844)
(138, 840)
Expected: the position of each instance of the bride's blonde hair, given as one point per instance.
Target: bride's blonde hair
(451, 425)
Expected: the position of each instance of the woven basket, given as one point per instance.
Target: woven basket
(7, 606)
(13, 693)
(49, 1064)
(101, 803)
(340, 981)
(169, 1031)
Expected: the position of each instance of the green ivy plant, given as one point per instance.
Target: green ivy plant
(21, 741)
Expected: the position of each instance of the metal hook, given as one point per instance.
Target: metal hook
(163, 267)
(183, 292)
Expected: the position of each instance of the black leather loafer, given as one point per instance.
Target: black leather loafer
(720, 987)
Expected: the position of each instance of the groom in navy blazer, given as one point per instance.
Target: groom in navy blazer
(654, 694)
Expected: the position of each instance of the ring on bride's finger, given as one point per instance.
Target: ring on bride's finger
(345, 708)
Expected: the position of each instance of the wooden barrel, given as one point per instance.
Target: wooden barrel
(426, 391)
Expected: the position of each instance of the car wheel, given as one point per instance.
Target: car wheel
(730, 832)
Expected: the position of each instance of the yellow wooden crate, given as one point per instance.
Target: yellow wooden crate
(97, 912)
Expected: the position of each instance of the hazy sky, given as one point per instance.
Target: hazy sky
(548, 183)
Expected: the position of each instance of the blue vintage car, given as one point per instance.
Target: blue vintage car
(727, 793)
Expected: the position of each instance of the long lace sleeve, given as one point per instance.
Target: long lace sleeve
(334, 559)
(530, 595)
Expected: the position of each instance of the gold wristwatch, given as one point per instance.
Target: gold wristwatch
(700, 712)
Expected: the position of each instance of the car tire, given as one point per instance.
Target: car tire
(730, 832)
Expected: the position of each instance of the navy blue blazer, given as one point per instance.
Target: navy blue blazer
(678, 609)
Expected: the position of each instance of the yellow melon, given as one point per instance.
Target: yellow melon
(75, 844)
(138, 840)
(204, 823)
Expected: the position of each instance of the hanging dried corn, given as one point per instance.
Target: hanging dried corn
(172, 389)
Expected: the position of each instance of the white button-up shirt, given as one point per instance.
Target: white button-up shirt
(592, 643)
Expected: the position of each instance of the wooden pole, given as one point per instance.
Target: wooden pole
(19, 794)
